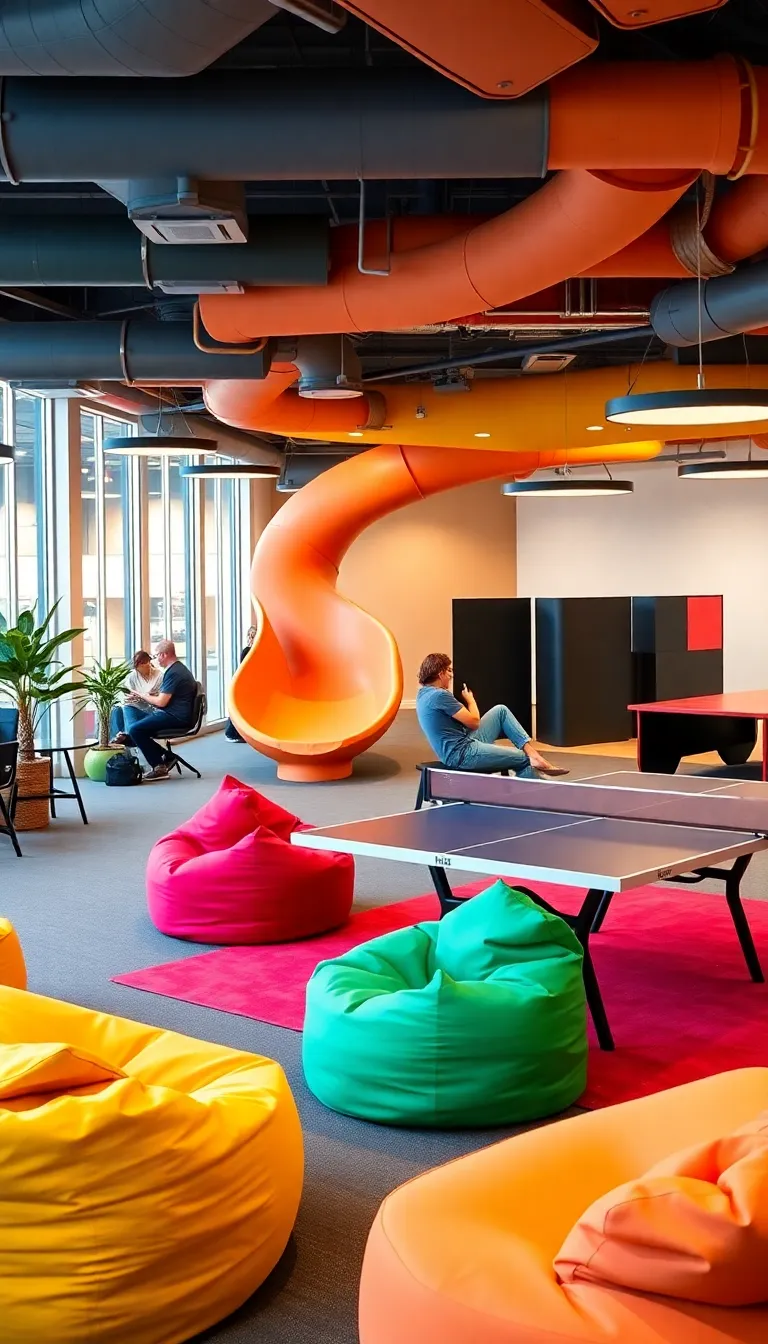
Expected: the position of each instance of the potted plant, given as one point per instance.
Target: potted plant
(101, 688)
(33, 677)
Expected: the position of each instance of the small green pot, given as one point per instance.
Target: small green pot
(95, 762)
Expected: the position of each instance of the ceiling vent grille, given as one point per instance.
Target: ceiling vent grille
(547, 363)
(191, 231)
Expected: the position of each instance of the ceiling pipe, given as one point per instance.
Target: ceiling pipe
(576, 219)
(156, 37)
(279, 126)
(142, 352)
(535, 414)
(726, 306)
(76, 250)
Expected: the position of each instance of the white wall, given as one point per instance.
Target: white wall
(671, 536)
(406, 568)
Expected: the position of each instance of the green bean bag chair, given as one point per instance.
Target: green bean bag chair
(478, 1019)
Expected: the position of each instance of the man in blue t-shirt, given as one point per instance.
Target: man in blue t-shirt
(461, 739)
(172, 708)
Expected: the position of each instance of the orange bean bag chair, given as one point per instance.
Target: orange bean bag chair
(465, 1253)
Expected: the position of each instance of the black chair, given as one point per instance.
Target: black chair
(9, 724)
(9, 752)
(422, 795)
(172, 757)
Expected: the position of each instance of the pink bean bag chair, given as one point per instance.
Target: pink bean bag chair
(231, 875)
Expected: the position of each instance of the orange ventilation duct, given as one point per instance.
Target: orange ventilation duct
(533, 414)
(574, 221)
(628, 14)
(497, 48)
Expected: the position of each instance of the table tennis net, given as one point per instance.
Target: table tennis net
(721, 809)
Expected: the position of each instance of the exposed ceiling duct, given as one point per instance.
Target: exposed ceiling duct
(726, 306)
(298, 125)
(496, 48)
(121, 37)
(77, 250)
(575, 219)
(141, 352)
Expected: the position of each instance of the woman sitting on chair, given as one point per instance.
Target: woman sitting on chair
(461, 739)
(145, 677)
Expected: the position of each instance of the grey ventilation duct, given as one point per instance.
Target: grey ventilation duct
(329, 368)
(270, 125)
(122, 37)
(730, 305)
(141, 352)
(77, 250)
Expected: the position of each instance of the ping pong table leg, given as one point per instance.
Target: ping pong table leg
(740, 921)
(445, 896)
(595, 903)
(602, 911)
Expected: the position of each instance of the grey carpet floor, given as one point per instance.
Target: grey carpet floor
(77, 900)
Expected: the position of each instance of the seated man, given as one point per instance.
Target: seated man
(172, 709)
(461, 739)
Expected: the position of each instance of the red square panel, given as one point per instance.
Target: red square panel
(705, 623)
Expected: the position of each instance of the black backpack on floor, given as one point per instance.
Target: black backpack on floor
(122, 770)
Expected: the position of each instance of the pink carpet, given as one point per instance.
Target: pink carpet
(676, 989)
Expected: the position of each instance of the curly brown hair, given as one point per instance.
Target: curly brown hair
(433, 666)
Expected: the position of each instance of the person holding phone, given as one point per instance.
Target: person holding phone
(463, 739)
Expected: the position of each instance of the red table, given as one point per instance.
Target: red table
(670, 729)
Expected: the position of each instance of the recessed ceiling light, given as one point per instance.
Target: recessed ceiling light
(702, 406)
(355, 434)
(595, 429)
(482, 435)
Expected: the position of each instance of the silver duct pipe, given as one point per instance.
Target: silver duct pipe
(730, 305)
(155, 37)
(76, 250)
(270, 125)
(141, 352)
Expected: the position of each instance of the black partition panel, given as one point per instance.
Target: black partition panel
(492, 652)
(583, 670)
(677, 647)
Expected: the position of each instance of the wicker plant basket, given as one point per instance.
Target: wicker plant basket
(33, 777)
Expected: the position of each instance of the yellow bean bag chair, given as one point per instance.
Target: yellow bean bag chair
(13, 972)
(150, 1182)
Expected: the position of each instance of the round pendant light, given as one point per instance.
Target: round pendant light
(231, 471)
(6, 454)
(700, 406)
(154, 445)
(724, 471)
(568, 487)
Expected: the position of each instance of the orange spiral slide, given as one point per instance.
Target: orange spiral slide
(323, 680)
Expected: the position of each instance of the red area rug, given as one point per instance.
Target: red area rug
(676, 989)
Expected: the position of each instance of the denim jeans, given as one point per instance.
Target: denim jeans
(122, 717)
(146, 727)
(481, 753)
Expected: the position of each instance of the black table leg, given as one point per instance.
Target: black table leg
(76, 787)
(740, 921)
(582, 925)
(602, 911)
(445, 896)
(51, 790)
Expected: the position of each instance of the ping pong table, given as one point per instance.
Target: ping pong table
(607, 834)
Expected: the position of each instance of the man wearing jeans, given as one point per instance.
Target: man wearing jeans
(172, 709)
(461, 739)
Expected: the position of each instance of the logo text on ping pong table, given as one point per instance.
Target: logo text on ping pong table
(441, 861)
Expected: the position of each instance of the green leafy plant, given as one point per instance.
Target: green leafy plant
(101, 687)
(30, 672)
